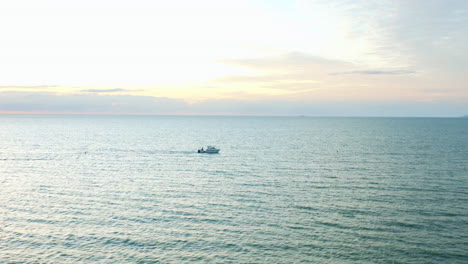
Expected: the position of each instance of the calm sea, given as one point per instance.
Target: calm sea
(132, 189)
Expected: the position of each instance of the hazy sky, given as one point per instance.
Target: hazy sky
(247, 57)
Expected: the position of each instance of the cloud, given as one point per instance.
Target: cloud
(288, 71)
(432, 34)
(286, 60)
(295, 86)
(27, 86)
(88, 103)
(330, 108)
(126, 104)
(273, 81)
(107, 90)
(253, 78)
(375, 72)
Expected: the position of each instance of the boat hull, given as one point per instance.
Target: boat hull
(209, 150)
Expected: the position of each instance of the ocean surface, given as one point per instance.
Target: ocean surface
(132, 189)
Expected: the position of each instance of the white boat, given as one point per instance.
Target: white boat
(209, 149)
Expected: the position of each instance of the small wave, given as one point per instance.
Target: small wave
(298, 227)
(333, 224)
(404, 224)
(43, 221)
(26, 159)
(303, 207)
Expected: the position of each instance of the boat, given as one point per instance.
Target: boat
(209, 149)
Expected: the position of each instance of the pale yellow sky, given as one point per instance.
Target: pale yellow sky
(195, 51)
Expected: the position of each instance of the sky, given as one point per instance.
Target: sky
(243, 57)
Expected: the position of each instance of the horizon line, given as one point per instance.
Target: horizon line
(19, 113)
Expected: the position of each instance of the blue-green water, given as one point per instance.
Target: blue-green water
(132, 189)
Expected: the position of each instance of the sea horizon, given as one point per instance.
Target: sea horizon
(227, 115)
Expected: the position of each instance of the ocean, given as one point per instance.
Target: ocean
(133, 189)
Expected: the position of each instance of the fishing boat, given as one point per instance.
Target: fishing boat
(209, 149)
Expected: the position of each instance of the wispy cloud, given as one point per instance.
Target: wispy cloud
(294, 86)
(27, 86)
(286, 60)
(293, 71)
(108, 90)
(125, 104)
(86, 103)
(329, 108)
(268, 79)
(375, 72)
(253, 78)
